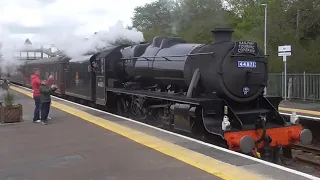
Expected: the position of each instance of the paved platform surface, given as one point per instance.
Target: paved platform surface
(216, 161)
(306, 108)
(70, 148)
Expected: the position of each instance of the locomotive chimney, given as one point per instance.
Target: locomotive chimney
(222, 34)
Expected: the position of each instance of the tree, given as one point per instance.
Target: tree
(293, 22)
(153, 18)
(197, 18)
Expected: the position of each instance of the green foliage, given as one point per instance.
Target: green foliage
(156, 16)
(290, 22)
(8, 99)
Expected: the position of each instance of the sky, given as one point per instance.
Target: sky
(37, 18)
(65, 23)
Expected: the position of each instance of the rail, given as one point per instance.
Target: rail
(308, 155)
(300, 86)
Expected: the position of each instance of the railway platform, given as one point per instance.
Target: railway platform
(302, 108)
(84, 143)
(69, 148)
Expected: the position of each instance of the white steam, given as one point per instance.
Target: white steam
(8, 46)
(75, 46)
(70, 44)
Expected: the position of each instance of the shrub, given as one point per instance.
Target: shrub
(8, 99)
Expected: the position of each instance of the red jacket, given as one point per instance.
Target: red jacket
(35, 82)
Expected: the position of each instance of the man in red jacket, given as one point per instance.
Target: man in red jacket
(35, 82)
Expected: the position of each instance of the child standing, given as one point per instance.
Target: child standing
(45, 99)
(49, 83)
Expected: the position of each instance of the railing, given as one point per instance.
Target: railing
(302, 86)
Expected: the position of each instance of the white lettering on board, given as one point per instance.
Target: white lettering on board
(246, 47)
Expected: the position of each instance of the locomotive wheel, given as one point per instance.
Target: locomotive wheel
(285, 157)
(122, 108)
(139, 110)
(140, 114)
(159, 119)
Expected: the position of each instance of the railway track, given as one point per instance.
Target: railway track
(308, 155)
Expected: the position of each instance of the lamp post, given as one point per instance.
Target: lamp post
(265, 37)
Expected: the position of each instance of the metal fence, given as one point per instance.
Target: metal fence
(303, 86)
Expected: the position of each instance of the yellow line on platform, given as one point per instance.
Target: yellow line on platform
(303, 111)
(198, 160)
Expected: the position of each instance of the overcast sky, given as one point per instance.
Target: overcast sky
(25, 18)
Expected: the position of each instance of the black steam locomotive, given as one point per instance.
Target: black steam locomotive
(210, 90)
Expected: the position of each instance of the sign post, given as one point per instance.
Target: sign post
(285, 51)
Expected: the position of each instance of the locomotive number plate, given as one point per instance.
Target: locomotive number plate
(247, 64)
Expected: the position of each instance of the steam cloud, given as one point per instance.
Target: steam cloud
(74, 46)
(67, 42)
(8, 46)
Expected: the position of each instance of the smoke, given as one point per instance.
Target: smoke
(80, 58)
(75, 46)
(67, 42)
(9, 45)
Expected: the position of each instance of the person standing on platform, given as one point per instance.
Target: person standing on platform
(35, 82)
(49, 83)
(45, 98)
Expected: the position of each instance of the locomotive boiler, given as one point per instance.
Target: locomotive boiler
(237, 71)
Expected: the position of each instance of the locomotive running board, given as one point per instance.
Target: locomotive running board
(160, 96)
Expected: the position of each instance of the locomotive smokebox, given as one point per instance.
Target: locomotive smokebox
(222, 34)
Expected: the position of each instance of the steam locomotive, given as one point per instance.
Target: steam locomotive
(213, 91)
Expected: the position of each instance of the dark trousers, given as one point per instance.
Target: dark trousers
(36, 114)
(45, 108)
(40, 109)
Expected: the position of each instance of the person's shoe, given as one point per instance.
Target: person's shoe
(37, 121)
(49, 118)
(44, 123)
(49, 121)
